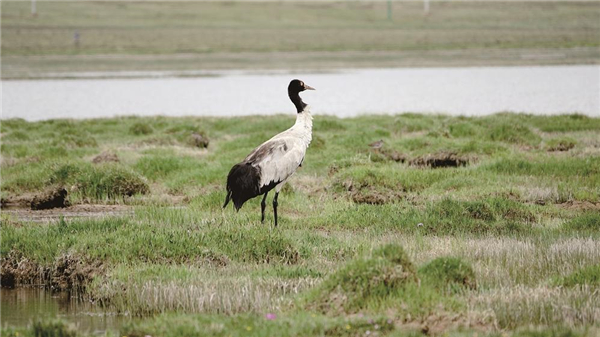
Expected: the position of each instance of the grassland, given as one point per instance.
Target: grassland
(501, 237)
(184, 36)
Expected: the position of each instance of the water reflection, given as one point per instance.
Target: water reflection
(22, 306)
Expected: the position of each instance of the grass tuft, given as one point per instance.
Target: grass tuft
(98, 182)
(560, 144)
(586, 221)
(448, 273)
(140, 128)
(363, 280)
(589, 275)
(514, 134)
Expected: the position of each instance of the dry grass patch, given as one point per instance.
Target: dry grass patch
(223, 295)
(503, 261)
(541, 305)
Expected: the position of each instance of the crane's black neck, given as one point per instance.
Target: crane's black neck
(295, 97)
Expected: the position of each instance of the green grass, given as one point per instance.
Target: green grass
(586, 276)
(586, 221)
(504, 243)
(232, 27)
(290, 35)
(363, 281)
(449, 273)
(98, 182)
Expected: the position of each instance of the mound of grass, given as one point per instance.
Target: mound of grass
(586, 221)
(514, 134)
(97, 182)
(566, 123)
(140, 128)
(364, 280)
(560, 144)
(189, 134)
(462, 129)
(448, 273)
(75, 139)
(589, 275)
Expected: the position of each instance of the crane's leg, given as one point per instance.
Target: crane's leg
(275, 207)
(263, 204)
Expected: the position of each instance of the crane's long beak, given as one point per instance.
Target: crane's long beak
(308, 87)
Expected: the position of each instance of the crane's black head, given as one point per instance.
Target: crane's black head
(296, 87)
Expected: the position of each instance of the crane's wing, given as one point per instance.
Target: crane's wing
(277, 160)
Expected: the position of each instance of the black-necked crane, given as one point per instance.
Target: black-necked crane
(274, 161)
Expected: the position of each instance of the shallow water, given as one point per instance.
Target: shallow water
(455, 91)
(22, 306)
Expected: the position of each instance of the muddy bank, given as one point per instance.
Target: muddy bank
(54, 198)
(49, 198)
(68, 272)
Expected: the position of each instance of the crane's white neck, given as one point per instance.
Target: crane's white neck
(303, 125)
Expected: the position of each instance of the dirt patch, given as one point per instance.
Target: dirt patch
(68, 272)
(395, 156)
(199, 140)
(373, 197)
(106, 157)
(22, 201)
(561, 147)
(72, 272)
(560, 144)
(392, 155)
(71, 212)
(55, 197)
(580, 205)
(441, 159)
(441, 323)
(20, 271)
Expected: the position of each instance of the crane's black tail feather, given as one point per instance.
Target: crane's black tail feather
(227, 198)
(242, 184)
